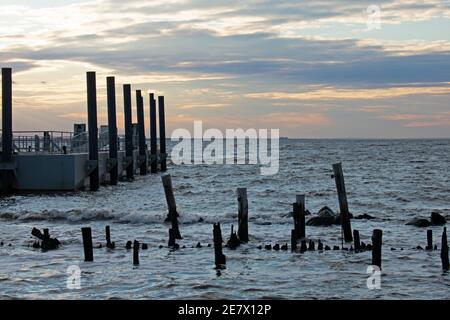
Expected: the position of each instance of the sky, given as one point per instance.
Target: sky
(313, 69)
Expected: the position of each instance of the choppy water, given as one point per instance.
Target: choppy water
(391, 180)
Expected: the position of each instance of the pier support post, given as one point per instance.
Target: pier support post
(129, 149)
(7, 173)
(7, 135)
(112, 130)
(94, 179)
(343, 205)
(136, 253)
(153, 136)
(141, 124)
(377, 241)
(429, 240)
(162, 134)
(444, 251)
(171, 204)
(87, 244)
(356, 240)
(293, 240)
(299, 217)
(242, 214)
(220, 259)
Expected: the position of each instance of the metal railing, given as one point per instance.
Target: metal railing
(60, 142)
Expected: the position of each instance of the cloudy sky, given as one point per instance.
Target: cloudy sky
(311, 68)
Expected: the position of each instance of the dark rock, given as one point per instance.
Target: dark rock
(259, 247)
(276, 247)
(336, 248)
(419, 248)
(199, 245)
(435, 247)
(417, 222)
(268, 247)
(437, 219)
(161, 246)
(47, 243)
(345, 249)
(369, 247)
(327, 248)
(201, 220)
(364, 216)
(1, 243)
(111, 245)
(144, 246)
(209, 245)
(393, 249)
(99, 246)
(325, 217)
(363, 245)
(128, 245)
(284, 247)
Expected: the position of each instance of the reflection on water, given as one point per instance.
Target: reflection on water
(391, 180)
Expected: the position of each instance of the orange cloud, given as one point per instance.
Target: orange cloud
(332, 93)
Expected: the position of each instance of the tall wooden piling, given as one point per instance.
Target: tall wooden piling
(141, 124)
(136, 253)
(444, 251)
(109, 244)
(172, 216)
(87, 244)
(129, 148)
(7, 176)
(343, 205)
(377, 241)
(112, 130)
(242, 214)
(293, 240)
(153, 136)
(94, 179)
(429, 240)
(162, 134)
(7, 135)
(299, 219)
(220, 259)
(356, 240)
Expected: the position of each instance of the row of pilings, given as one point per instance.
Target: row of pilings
(145, 163)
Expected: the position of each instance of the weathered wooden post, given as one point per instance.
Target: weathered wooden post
(129, 149)
(7, 173)
(342, 195)
(429, 240)
(87, 244)
(220, 258)
(299, 217)
(242, 214)
(109, 244)
(94, 179)
(153, 136)
(356, 240)
(136, 253)
(444, 251)
(7, 135)
(377, 241)
(162, 134)
(171, 204)
(142, 144)
(112, 130)
(293, 240)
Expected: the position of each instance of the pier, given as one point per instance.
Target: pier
(85, 157)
